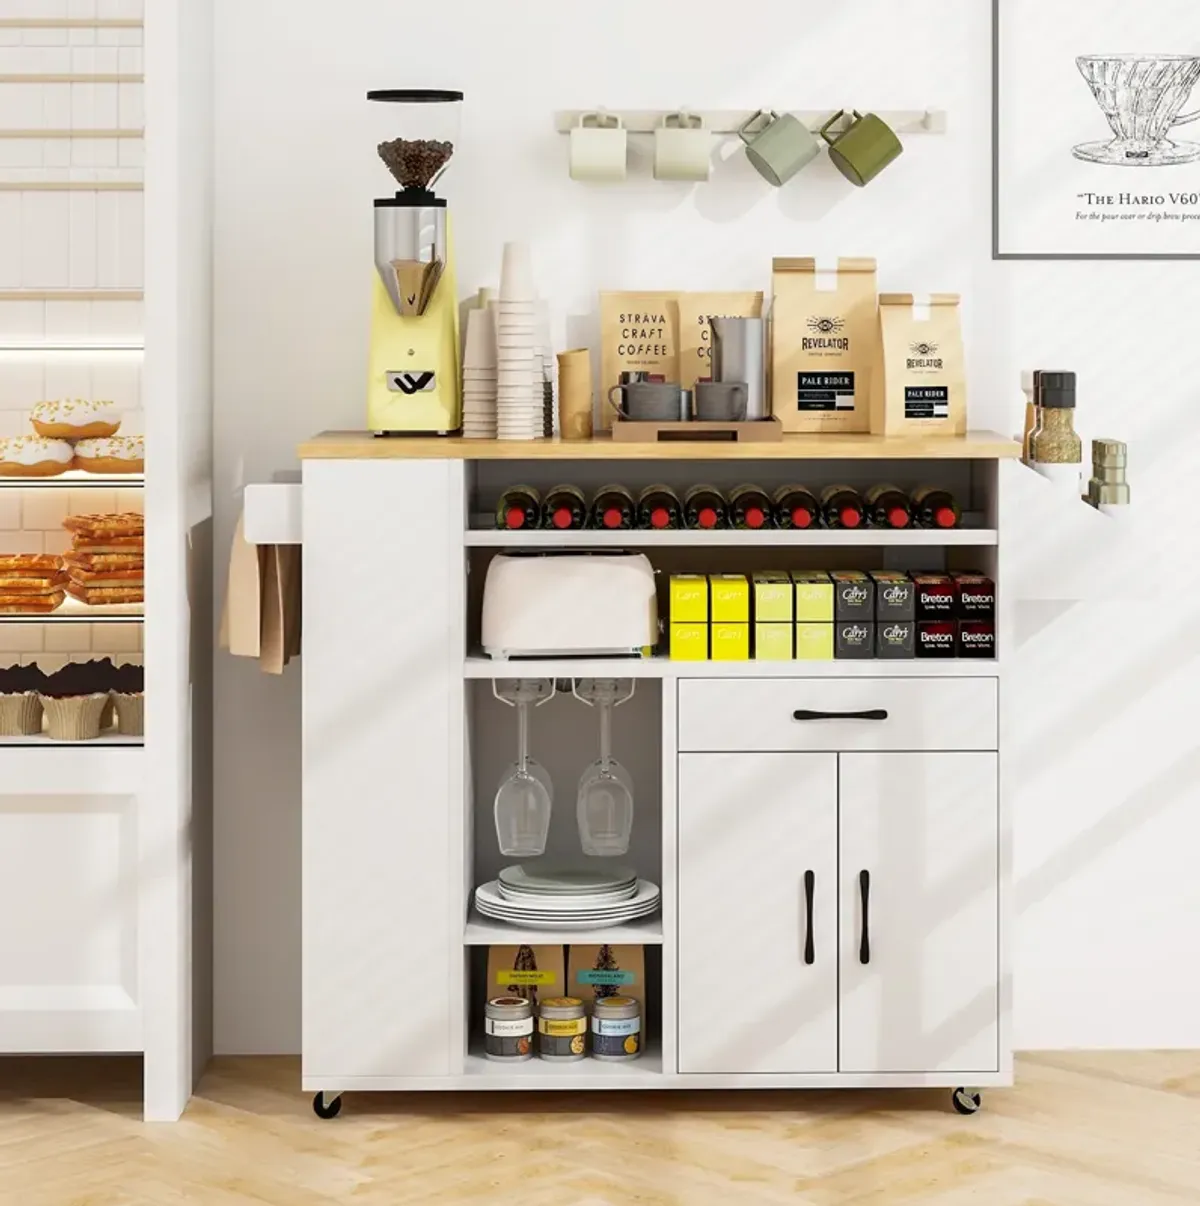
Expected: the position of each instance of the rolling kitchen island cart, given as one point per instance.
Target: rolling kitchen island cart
(836, 896)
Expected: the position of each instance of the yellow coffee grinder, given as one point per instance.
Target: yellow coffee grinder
(413, 383)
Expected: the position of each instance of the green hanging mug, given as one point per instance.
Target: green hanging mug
(864, 148)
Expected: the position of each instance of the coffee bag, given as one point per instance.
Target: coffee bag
(639, 333)
(823, 332)
(695, 334)
(532, 972)
(920, 385)
(600, 970)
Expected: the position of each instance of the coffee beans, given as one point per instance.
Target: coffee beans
(415, 162)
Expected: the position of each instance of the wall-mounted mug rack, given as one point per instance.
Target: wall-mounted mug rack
(729, 121)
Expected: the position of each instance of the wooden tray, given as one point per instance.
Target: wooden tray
(760, 431)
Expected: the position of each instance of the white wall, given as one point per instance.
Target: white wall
(1106, 762)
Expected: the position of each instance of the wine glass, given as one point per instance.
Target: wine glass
(604, 805)
(523, 802)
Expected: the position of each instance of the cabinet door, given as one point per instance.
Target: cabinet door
(919, 972)
(755, 993)
(383, 758)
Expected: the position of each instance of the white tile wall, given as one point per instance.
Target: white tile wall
(81, 9)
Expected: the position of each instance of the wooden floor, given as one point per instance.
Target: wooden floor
(1112, 1129)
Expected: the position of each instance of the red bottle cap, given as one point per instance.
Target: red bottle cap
(514, 517)
(898, 517)
(850, 517)
(944, 518)
(707, 517)
(754, 517)
(562, 517)
(802, 517)
(660, 517)
(612, 518)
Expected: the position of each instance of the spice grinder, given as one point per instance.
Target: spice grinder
(413, 368)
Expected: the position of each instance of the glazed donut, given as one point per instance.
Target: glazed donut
(33, 456)
(81, 419)
(116, 454)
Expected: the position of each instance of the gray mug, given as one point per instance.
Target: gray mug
(647, 401)
(780, 147)
(721, 401)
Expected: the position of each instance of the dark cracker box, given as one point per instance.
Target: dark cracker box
(974, 597)
(976, 638)
(936, 597)
(895, 595)
(853, 639)
(896, 639)
(853, 596)
(937, 638)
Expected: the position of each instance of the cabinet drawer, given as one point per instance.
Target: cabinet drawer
(746, 714)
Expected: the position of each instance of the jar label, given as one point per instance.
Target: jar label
(507, 1027)
(562, 1028)
(614, 1026)
(512, 976)
(607, 979)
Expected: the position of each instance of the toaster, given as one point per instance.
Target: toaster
(569, 605)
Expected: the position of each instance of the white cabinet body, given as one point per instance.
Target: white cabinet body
(752, 828)
(383, 721)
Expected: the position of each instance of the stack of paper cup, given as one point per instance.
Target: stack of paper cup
(518, 354)
(479, 375)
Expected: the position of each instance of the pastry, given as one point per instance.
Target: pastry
(126, 524)
(108, 544)
(102, 562)
(112, 577)
(18, 604)
(32, 456)
(116, 454)
(93, 595)
(20, 704)
(30, 563)
(128, 685)
(30, 584)
(76, 699)
(80, 419)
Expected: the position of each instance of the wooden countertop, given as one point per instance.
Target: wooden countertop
(362, 445)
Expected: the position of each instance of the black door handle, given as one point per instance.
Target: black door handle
(864, 944)
(810, 880)
(870, 714)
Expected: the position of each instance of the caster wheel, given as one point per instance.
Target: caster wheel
(327, 1109)
(966, 1103)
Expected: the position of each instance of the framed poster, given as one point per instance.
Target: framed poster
(1096, 138)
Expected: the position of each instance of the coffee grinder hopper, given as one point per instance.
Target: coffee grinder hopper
(410, 227)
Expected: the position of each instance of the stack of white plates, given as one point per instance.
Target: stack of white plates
(479, 375)
(564, 899)
(518, 352)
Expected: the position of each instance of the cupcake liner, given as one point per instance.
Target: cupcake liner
(108, 715)
(131, 711)
(75, 718)
(20, 715)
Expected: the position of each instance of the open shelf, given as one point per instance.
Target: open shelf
(479, 667)
(73, 612)
(583, 1074)
(729, 537)
(108, 740)
(480, 931)
(76, 479)
(78, 768)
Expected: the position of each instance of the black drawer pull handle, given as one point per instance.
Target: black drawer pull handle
(870, 714)
(864, 945)
(810, 880)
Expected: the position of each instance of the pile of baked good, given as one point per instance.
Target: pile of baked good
(76, 703)
(107, 559)
(79, 434)
(31, 583)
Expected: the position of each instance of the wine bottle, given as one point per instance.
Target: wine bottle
(703, 507)
(519, 507)
(935, 507)
(887, 507)
(564, 508)
(842, 507)
(796, 507)
(658, 507)
(613, 508)
(749, 507)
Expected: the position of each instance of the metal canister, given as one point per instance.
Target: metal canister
(562, 1029)
(616, 1029)
(508, 1029)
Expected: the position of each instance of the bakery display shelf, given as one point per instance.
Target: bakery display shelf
(478, 666)
(109, 740)
(76, 479)
(481, 931)
(73, 612)
(89, 768)
(583, 1074)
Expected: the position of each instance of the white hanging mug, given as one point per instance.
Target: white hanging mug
(598, 148)
(682, 148)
